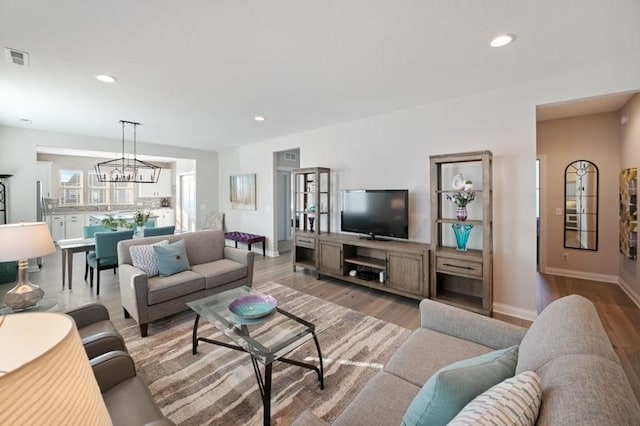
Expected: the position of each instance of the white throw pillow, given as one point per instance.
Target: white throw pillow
(515, 401)
(143, 257)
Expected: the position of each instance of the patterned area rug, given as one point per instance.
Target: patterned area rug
(217, 386)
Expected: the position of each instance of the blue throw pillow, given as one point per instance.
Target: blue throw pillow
(171, 258)
(453, 386)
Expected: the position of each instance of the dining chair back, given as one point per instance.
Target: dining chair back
(160, 230)
(106, 253)
(87, 232)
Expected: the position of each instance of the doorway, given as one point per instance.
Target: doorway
(284, 163)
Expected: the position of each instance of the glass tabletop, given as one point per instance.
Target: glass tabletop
(267, 338)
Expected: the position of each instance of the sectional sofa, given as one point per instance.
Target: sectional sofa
(581, 379)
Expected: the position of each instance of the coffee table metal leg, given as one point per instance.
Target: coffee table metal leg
(321, 373)
(194, 337)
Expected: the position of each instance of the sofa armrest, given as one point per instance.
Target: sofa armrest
(241, 256)
(88, 314)
(134, 290)
(112, 368)
(468, 325)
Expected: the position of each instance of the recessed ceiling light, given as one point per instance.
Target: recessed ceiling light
(260, 118)
(502, 40)
(106, 78)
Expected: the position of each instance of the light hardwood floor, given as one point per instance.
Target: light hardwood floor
(618, 313)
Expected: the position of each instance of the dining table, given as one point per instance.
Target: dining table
(68, 247)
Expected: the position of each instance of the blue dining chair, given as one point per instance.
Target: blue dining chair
(160, 230)
(106, 254)
(88, 231)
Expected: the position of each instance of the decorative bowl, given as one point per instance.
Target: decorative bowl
(253, 306)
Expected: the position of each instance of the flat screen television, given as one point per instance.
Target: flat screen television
(376, 212)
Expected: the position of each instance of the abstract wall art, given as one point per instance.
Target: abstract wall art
(242, 192)
(629, 213)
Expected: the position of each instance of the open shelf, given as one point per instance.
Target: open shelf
(367, 261)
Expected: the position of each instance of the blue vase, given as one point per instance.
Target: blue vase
(462, 232)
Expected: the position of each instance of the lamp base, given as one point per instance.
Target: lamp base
(25, 295)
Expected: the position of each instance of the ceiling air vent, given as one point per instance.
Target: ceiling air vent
(17, 57)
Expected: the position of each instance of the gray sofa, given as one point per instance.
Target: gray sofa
(582, 380)
(214, 268)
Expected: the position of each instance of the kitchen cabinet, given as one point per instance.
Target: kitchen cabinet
(57, 223)
(44, 176)
(73, 224)
(166, 216)
(162, 188)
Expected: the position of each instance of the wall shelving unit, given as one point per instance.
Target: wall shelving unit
(462, 278)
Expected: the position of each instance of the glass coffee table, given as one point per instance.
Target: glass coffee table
(266, 339)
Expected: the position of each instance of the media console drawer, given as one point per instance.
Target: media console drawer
(304, 241)
(459, 266)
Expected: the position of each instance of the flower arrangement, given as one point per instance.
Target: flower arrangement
(462, 198)
(141, 218)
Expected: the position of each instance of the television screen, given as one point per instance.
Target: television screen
(375, 212)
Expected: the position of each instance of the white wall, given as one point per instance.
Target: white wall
(630, 157)
(18, 157)
(393, 150)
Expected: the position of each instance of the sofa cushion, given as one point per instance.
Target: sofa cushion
(552, 335)
(162, 289)
(515, 401)
(586, 390)
(205, 246)
(221, 272)
(452, 387)
(382, 401)
(171, 258)
(143, 257)
(410, 362)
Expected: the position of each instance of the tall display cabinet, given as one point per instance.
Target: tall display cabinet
(462, 230)
(311, 213)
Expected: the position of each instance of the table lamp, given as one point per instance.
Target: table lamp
(45, 376)
(22, 241)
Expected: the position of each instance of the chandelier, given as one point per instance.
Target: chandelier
(127, 169)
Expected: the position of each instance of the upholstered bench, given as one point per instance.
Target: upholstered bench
(247, 238)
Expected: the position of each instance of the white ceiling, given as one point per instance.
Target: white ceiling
(595, 105)
(196, 72)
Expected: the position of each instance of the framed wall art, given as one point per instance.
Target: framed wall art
(242, 192)
(629, 213)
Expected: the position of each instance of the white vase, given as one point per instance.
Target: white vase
(458, 182)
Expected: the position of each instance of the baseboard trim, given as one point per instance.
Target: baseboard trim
(613, 279)
(635, 297)
(515, 312)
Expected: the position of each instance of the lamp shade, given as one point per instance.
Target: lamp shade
(45, 376)
(25, 241)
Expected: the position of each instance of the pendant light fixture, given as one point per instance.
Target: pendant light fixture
(127, 169)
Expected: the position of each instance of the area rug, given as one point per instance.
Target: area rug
(217, 386)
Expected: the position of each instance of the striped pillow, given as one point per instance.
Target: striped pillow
(144, 258)
(515, 401)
